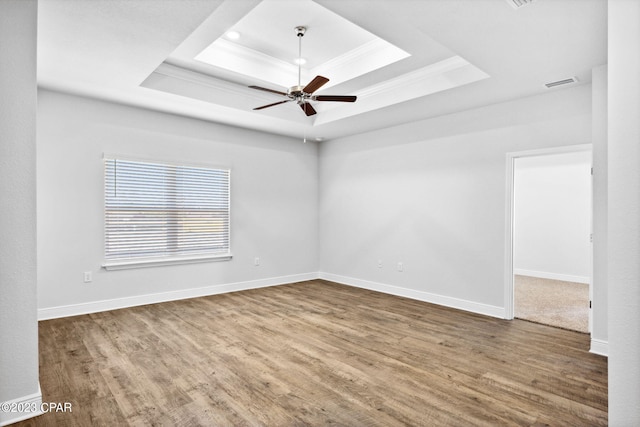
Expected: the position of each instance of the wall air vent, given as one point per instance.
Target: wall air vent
(517, 4)
(563, 82)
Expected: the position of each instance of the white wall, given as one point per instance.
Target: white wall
(273, 202)
(624, 212)
(552, 216)
(432, 195)
(599, 333)
(18, 323)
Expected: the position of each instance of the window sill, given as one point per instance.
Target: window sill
(158, 262)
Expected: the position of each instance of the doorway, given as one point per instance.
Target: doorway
(549, 277)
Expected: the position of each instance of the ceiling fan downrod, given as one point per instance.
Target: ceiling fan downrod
(300, 30)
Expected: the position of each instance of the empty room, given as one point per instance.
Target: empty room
(310, 212)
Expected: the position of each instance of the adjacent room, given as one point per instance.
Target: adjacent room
(314, 212)
(552, 239)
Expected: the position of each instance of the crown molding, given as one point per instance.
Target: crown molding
(416, 78)
(364, 59)
(446, 74)
(243, 60)
(178, 72)
(443, 75)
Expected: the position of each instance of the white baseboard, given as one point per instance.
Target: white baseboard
(552, 276)
(599, 347)
(474, 307)
(112, 304)
(33, 403)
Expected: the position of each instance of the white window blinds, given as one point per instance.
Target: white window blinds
(155, 210)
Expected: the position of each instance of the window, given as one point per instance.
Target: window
(159, 213)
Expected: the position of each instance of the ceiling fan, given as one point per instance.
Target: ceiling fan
(302, 95)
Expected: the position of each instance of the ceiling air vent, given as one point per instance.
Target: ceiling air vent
(517, 4)
(563, 82)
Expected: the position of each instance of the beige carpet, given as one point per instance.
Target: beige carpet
(552, 302)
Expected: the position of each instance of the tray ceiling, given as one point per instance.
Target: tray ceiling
(405, 59)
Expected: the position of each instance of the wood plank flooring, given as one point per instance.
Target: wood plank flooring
(315, 353)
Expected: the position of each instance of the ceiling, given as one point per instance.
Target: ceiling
(406, 60)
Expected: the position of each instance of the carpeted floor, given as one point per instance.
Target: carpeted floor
(552, 302)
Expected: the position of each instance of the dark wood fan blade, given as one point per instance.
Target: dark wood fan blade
(271, 105)
(315, 84)
(337, 98)
(268, 90)
(308, 109)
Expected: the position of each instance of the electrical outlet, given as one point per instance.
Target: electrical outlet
(400, 267)
(88, 277)
(256, 261)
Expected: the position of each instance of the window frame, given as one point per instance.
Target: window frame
(160, 260)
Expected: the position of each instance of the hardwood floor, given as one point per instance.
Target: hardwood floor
(315, 353)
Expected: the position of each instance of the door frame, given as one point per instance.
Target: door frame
(510, 176)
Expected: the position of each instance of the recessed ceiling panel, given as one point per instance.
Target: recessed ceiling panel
(260, 47)
(265, 45)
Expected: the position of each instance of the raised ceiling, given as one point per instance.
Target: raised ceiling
(405, 59)
(261, 50)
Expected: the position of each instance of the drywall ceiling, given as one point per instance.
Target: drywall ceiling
(404, 59)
